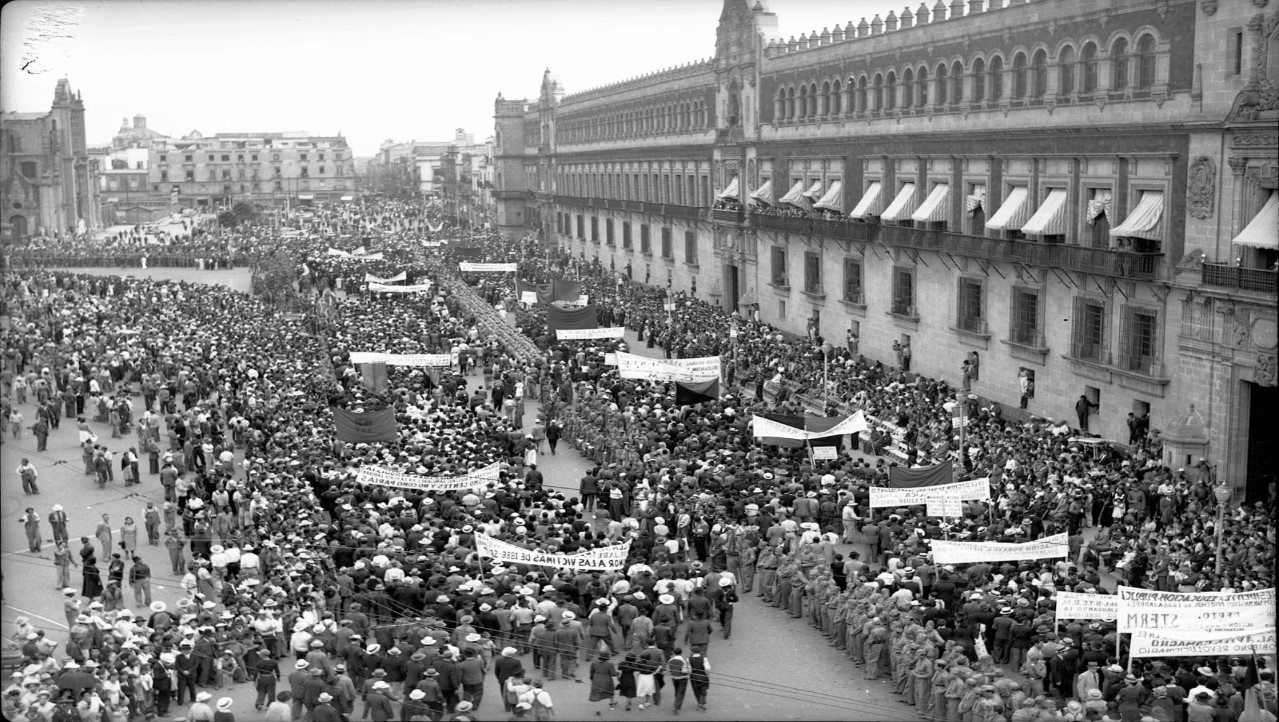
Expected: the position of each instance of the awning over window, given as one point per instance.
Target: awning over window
(729, 192)
(834, 198)
(1050, 219)
(764, 194)
(1263, 230)
(902, 206)
(933, 209)
(1099, 204)
(976, 200)
(871, 203)
(814, 191)
(1143, 222)
(1012, 215)
(795, 194)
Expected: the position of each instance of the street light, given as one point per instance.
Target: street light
(1223, 494)
(827, 350)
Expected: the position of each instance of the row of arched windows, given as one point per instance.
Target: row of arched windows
(673, 118)
(1027, 78)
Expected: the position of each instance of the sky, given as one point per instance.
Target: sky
(369, 69)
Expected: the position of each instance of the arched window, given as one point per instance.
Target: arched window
(979, 80)
(862, 101)
(812, 100)
(879, 92)
(941, 84)
(921, 88)
(957, 82)
(1089, 61)
(779, 112)
(890, 91)
(1021, 80)
(1119, 64)
(824, 110)
(836, 99)
(1146, 61)
(790, 104)
(1066, 71)
(1040, 66)
(908, 88)
(803, 101)
(996, 78)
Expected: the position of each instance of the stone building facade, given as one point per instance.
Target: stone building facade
(48, 182)
(1073, 193)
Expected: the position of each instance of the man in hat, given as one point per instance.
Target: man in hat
(506, 666)
(187, 666)
(200, 709)
(324, 711)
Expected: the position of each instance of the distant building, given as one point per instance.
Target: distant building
(48, 182)
(421, 163)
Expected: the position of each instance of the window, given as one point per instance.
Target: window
(853, 280)
(781, 308)
(277, 171)
(646, 244)
(29, 169)
(1021, 77)
(304, 156)
(1138, 350)
(321, 170)
(608, 232)
(942, 84)
(1235, 51)
(957, 82)
(908, 85)
(321, 156)
(1066, 71)
(581, 227)
(970, 316)
(778, 277)
(921, 88)
(1023, 318)
(996, 78)
(164, 176)
(667, 252)
(626, 235)
(890, 91)
(559, 223)
(306, 172)
(254, 157)
(595, 229)
(903, 291)
(1040, 79)
(190, 175)
(226, 158)
(812, 272)
(979, 80)
(164, 158)
(279, 186)
(1088, 336)
(1119, 64)
(1146, 62)
(690, 248)
(226, 175)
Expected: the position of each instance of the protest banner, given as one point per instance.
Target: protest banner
(581, 334)
(408, 359)
(468, 267)
(338, 253)
(1201, 644)
(633, 366)
(610, 359)
(1075, 605)
(945, 507)
(583, 300)
(1147, 610)
(825, 453)
(370, 278)
(382, 476)
(948, 552)
(383, 288)
(885, 497)
(371, 257)
(529, 297)
(613, 557)
(805, 428)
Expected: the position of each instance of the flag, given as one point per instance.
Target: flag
(468, 253)
(902, 478)
(788, 430)
(695, 392)
(374, 377)
(564, 318)
(365, 427)
(569, 291)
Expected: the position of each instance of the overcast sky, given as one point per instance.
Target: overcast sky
(369, 69)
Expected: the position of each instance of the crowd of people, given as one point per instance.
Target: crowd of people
(374, 601)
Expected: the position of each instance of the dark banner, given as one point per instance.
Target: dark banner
(902, 478)
(468, 253)
(695, 392)
(558, 318)
(568, 291)
(366, 427)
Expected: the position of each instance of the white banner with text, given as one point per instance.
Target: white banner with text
(948, 552)
(612, 557)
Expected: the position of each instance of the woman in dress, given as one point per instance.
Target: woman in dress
(92, 586)
(129, 536)
(603, 682)
(626, 682)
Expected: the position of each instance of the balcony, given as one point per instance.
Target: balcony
(1245, 279)
(725, 215)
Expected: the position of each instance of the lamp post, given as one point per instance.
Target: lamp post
(827, 349)
(1223, 494)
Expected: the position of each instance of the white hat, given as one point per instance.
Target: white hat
(666, 599)
(725, 581)
(569, 615)
(225, 703)
(203, 697)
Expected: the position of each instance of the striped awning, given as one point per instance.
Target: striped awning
(871, 203)
(1013, 214)
(729, 192)
(1263, 230)
(814, 191)
(795, 194)
(1143, 222)
(902, 206)
(834, 198)
(933, 209)
(976, 200)
(1050, 219)
(764, 194)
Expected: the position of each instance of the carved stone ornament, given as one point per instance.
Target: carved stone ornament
(1266, 372)
(1254, 140)
(1201, 188)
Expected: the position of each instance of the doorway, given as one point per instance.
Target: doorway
(1263, 429)
(19, 225)
(730, 287)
